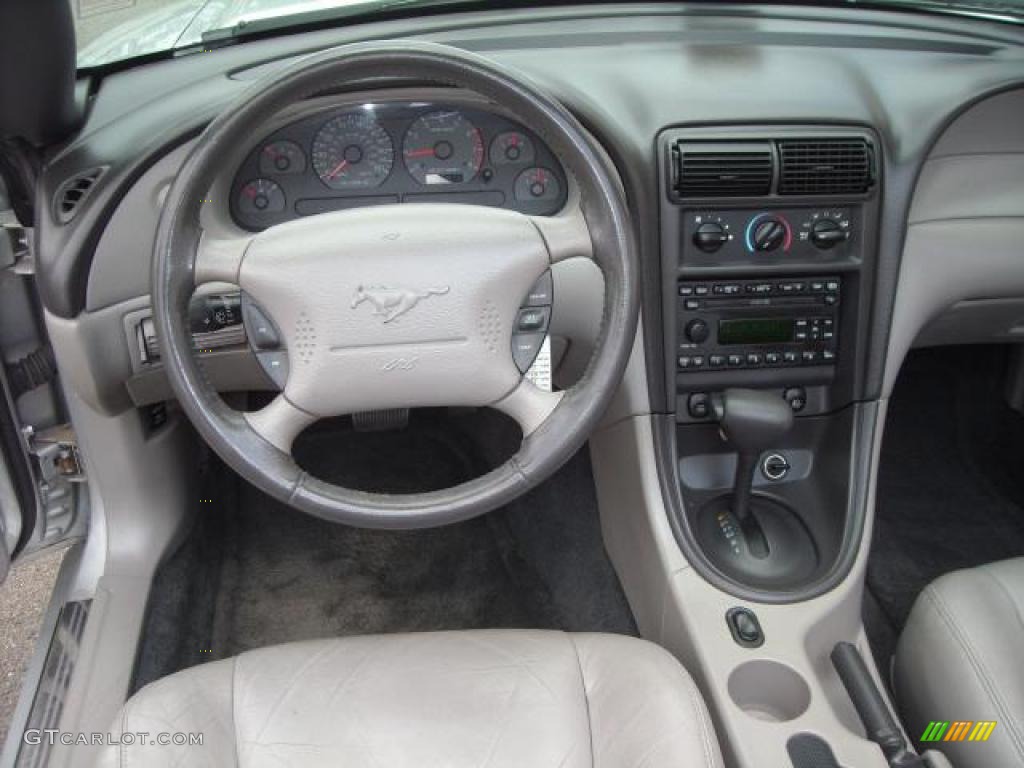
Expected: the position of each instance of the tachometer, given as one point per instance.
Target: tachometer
(352, 151)
(260, 196)
(443, 148)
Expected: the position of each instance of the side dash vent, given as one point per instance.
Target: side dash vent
(73, 192)
(825, 167)
(722, 169)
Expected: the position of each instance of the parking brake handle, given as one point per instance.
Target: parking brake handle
(871, 707)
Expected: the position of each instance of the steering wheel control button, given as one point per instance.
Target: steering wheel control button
(745, 628)
(775, 467)
(542, 293)
(525, 347)
(258, 327)
(533, 320)
(275, 365)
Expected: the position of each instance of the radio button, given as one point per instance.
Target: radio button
(753, 359)
(698, 361)
(716, 361)
(685, 361)
(790, 357)
(772, 358)
(832, 286)
(735, 360)
(697, 331)
(817, 286)
(831, 299)
(796, 397)
(809, 355)
(692, 304)
(828, 355)
(799, 287)
(701, 290)
(686, 290)
(726, 289)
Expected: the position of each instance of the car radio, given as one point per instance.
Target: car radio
(759, 323)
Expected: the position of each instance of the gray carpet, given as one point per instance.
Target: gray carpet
(950, 487)
(256, 573)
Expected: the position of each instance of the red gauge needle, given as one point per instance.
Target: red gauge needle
(338, 169)
(428, 152)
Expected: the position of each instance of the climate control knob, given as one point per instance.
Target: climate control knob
(827, 233)
(696, 331)
(769, 233)
(710, 236)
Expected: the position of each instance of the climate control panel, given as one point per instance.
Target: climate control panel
(759, 323)
(755, 235)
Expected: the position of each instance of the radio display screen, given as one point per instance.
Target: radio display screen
(764, 330)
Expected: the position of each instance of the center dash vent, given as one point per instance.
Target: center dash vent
(825, 167)
(722, 168)
(72, 192)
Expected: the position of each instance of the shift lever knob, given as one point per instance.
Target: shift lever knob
(752, 420)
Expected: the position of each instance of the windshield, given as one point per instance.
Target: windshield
(114, 30)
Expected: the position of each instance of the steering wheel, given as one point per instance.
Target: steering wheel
(396, 306)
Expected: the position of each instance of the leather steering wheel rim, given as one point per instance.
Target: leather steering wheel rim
(545, 448)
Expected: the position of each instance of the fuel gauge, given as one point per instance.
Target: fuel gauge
(537, 184)
(260, 196)
(282, 157)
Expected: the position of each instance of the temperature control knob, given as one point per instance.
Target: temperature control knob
(769, 233)
(710, 236)
(827, 233)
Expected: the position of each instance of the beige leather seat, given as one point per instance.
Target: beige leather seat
(501, 698)
(961, 657)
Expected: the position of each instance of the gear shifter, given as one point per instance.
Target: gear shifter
(751, 421)
(755, 538)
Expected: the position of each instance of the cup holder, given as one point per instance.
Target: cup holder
(768, 690)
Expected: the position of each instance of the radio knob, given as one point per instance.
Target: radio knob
(769, 234)
(827, 233)
(710, 236)
(697, 331)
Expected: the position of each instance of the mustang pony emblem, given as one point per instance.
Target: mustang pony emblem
(390, 303)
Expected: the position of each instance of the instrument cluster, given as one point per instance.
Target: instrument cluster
(380, 154)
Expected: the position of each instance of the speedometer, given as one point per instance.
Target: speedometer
(443, 148)
(352, 151)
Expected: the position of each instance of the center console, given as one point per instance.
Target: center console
(767, 257)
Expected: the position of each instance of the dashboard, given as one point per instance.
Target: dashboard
(381, 153)
(641, 79)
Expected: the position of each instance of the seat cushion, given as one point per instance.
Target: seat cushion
(498, 698)
(961, 658)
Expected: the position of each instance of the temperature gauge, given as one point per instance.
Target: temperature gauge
(282, 157)
(260, 196)
(537, 184)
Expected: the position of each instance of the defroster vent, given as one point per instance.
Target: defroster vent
(73, 192)
(825, 167)
(722, 169)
